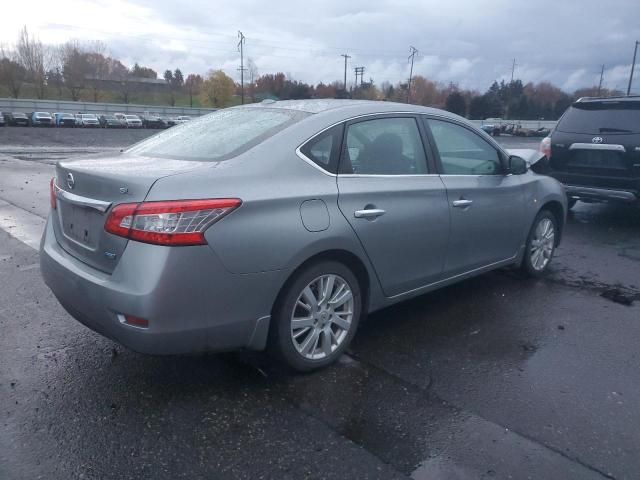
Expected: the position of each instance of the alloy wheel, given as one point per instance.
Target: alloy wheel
(542, 244)
(322, 317)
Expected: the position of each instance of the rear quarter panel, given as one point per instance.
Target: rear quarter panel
(267, 233)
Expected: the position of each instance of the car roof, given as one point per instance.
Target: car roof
(632, 98)
(350, 107)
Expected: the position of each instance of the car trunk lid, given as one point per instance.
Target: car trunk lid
(87, 190)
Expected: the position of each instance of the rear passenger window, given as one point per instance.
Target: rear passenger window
(463, 152)
(324, 149)
(384, 146)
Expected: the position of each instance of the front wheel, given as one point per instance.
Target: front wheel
(541, 244)
(316, 316)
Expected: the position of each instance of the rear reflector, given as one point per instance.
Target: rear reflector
(172, 223)
(52, 193)
(134, 321)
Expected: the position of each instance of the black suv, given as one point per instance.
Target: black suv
(594, 150)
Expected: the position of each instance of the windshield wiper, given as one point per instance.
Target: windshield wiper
(618, 130)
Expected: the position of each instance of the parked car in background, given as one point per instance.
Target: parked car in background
(2, 120)
(110, 121)
(121, 118)
(41, 119)
(133, 121)
(493, 130)
(89, 120)
(15, 119)
(182, 119)
(64, 119)
(151, 120)
(170, 121)
(595, 150)
(282, 225)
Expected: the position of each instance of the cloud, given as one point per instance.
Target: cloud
(466, 42)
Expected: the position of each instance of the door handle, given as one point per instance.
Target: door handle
(462, 203)
(369, 213)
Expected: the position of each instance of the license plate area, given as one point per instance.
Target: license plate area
(596, 161)
(81, 225)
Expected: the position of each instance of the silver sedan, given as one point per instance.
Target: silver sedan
(280, 225)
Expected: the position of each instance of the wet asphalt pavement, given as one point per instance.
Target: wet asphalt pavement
(496, 377)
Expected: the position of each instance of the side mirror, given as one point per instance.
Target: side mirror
(517, 165)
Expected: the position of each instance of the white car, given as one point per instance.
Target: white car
(88, 120)
(182, 119)
(133, 121)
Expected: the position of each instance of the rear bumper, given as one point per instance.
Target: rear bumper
(193, 304)
(600, 194)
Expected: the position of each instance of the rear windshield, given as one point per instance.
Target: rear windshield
(606, 117)
(218, 136)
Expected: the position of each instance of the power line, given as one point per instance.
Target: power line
(414, 52)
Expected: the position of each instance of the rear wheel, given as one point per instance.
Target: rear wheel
(541, 244)
(316, 316)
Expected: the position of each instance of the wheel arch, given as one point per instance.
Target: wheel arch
(557, 210)
(347, 258)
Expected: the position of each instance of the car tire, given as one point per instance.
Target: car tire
(541, 244)
(322, 335)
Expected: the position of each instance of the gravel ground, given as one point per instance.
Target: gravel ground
(71, 137)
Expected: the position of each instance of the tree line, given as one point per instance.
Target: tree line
(85, 71)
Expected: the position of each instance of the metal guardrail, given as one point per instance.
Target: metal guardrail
(31, 105)
(530, 124)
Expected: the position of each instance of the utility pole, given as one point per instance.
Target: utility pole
(601, 76)
(359, 72)
(242, 69)
(633, 64)
(513, 69)
(346, 57)
(414, 52)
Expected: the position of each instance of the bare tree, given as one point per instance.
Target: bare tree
(12, 74)
(32, 55)
(75, 68)
(193, 84)
(98, 66)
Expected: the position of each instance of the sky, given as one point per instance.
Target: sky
(468, 42)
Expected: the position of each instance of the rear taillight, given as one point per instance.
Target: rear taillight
(173, 223)
(52, 193)
(545, 147)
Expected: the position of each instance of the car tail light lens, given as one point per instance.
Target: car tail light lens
(545, 147)
(172, 223)
(52, 194)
